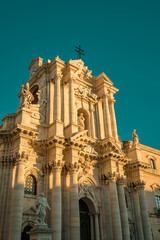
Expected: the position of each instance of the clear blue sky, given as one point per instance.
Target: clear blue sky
(120, 38)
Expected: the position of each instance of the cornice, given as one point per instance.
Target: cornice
(149, 149)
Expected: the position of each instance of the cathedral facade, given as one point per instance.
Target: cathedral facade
(63, 141)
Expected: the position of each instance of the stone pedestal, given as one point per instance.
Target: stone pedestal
(41, 232)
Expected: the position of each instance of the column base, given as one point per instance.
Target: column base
(41, 232)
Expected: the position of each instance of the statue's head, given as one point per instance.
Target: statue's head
(42, 194)
(134, 130)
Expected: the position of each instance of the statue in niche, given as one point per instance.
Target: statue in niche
(81, 123)
(41, 205)
(27, 96)
(135, 138)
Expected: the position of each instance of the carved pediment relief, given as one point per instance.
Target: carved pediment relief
(87, 164)
(30, 211)
(89, 149)
(82, 72)
(85, 93)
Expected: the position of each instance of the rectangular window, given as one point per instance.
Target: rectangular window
(158, 201)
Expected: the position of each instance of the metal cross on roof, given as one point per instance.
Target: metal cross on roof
(80, 51)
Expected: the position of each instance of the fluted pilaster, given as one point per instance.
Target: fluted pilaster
(107, 120)
(71, 100)
(113, 118)
(57, 100)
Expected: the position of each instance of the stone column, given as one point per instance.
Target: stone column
(9, 203)
(5, 198)
(144, 212)
(56, 215)
(2, 190)
(57, 99)
(66, 233)
(1, 173)
(116, 221)
(107, 121)
(92, 121)
(113, 119)
(108, 211)
(96, 227)
(74, 203)
(17, 201)
(138, 221)
(92, 226)
(71, 100)
(123, 209)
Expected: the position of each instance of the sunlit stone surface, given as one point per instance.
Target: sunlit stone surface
(63, 141)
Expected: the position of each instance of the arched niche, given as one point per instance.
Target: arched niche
(34, 91)
(86, 116)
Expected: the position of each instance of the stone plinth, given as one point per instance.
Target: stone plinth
(41, 232)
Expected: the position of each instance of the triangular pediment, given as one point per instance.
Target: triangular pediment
(109, 146)
(104, 77)
(82, 137)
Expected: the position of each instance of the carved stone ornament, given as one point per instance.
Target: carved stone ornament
(81, 123)
(87, 164)
(85, 92)
(41, 205)
(89, 149)
(26, 96)
(86, 189)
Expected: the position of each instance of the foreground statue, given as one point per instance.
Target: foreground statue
(41, 205)
(135, 138)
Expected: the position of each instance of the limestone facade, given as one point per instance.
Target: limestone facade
(63, 141)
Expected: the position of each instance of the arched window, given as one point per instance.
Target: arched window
(152, 162)
(30, 185)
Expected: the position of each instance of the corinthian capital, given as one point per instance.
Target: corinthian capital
(73, 167)
(59, 75)
(112, 177)
(120, 180)
(57, 165)
(20, 157)
(141, 184)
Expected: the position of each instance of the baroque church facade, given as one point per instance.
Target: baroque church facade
(63, 141)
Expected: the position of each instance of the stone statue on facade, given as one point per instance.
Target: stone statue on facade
(81, 123)
(27, 96)
(135, 138)
(41, 205)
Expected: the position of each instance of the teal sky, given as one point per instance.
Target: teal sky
(120, 38)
